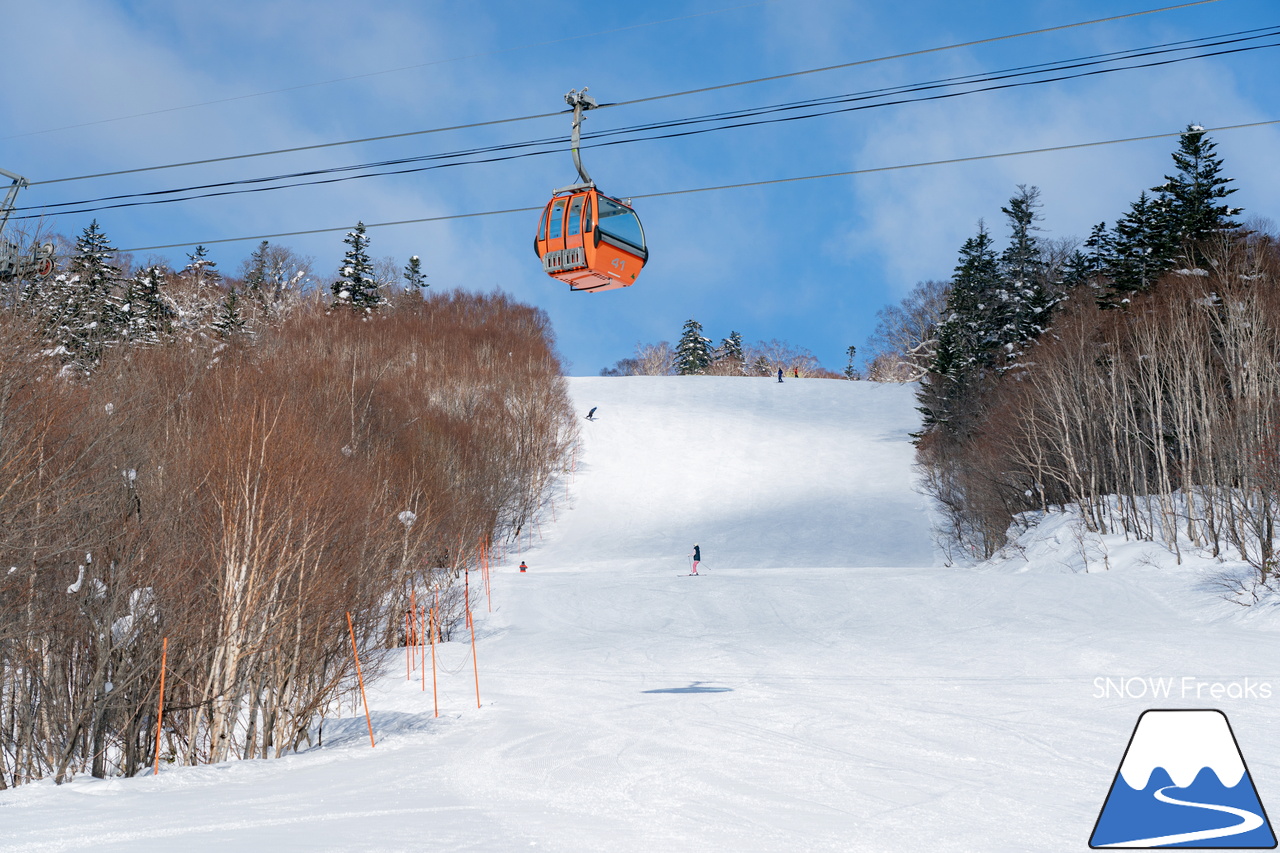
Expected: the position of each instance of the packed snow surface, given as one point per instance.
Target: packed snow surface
(827, 684)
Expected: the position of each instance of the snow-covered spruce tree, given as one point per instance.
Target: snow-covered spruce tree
(149, 318)
(693, 352)
(728, 358)
(255, 275)
(1142, 249)
(273, 279)
(1025, 301)
(415, 279)
(851, 372)
(1091, 265)
(1171, 224)
(201, 271)
(84, 313)
(195, 294)
(966, 336)
(1195, 197)
(731, 347)
(357, 286)
(229, 321)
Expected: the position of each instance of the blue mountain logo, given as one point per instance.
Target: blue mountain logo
(1183, 783)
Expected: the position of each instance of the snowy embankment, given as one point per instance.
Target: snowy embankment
(825, 686)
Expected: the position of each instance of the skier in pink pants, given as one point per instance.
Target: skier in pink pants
(697, 558)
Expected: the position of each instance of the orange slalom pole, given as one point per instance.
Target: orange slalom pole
(164, 656)
(422, 649)
(359, 677)
(435, 695)
(406, 645)
(475, 665)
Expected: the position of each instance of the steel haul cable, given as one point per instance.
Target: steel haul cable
(848, 173)
(1000, 75)
(493, 122)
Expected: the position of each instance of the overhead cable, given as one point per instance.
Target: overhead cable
(386, 71)
(493, 122)
(253, 185)
(848, 173)
(906, 55)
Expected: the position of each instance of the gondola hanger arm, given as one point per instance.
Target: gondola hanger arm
(580, 101)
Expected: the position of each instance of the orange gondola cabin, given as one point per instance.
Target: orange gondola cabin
(591, 241)
(585, 238)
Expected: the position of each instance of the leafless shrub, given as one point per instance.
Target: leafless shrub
(240, 505)
(1170, 406)
(901, 348)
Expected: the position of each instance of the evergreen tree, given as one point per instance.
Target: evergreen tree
(228, 322)
(200, 270)
(1025, 302)
(357, 287)
(1076, 272)
(850, 372)
(199, 294)
(255, 275)
(1195, 197)
(1092, 267)
(968, 333)
(730, 349)
(1186, 208)
(272, 275)
(967, 336)
(693, 352)
(150, 318)
(415, 278)
(85, 311)
(1142, 247)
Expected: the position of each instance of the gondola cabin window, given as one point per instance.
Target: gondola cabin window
(620, 223)
(557, 219)
(575, 216)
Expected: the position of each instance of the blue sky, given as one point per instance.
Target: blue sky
(96, 85)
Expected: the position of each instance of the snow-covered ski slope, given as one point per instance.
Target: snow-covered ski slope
(759, 473)
(825, 685)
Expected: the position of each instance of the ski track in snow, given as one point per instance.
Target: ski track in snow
(826, 686)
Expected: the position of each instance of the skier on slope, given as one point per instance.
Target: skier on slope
(697, 558)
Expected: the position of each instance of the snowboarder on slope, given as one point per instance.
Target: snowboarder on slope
(591, 415)
(697, 558)
(779, 374)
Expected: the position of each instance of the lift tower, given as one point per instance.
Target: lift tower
(38, 263)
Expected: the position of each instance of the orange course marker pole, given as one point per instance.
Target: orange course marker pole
(164, 656)
(435, 696)
(360, 677)
(475, 665)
